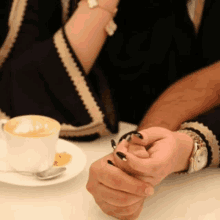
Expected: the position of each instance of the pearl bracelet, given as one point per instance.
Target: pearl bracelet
(111, 27)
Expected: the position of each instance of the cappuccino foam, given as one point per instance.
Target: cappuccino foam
(31, 126)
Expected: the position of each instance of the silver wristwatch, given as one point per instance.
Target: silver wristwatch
(199, 157)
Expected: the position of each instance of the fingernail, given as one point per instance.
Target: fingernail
(110, 162)
(139, 135)
(149, 191)
(113, 144)
(121, 155)
(123, 137)
(126, 136)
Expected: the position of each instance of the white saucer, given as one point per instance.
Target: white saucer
(76, 166)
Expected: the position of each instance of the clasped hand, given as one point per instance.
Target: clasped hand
(120, 189)
(167, 152)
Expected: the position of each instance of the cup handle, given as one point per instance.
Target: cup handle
(2, 122)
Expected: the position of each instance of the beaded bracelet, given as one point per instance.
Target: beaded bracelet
(111, 27)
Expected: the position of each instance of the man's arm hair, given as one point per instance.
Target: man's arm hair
(185, 99)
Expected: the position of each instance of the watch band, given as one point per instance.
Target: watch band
(208, 137)
(199, 144)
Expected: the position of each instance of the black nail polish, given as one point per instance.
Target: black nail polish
(110, 162)
(139, 135)
(113, 144)
(126, 136)
(121, 155)
(122, 137)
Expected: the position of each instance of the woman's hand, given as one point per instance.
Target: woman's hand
(117, 193)
(169, 152)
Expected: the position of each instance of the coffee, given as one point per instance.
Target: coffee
(31, 142)
(31, 126)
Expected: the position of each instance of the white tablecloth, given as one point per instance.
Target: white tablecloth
(193, 197)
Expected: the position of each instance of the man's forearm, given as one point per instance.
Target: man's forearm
(185, 99)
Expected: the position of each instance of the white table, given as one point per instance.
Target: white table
(194, 197)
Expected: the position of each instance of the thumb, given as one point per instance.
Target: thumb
(137, 147)
(134, 164)
(152, 135)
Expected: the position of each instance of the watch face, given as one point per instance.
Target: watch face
(200, 159)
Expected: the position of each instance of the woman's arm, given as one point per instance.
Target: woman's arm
(44, 75)
(86, 30)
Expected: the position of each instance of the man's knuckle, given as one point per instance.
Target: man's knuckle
(155, 169)
(117, 182)
(105, 208)
(140, 190)
(161, 172)
(92, 170)
(89, 187)
(158, 181)
(125, 200)
(134, 166)
(129, 210)
(109, 212)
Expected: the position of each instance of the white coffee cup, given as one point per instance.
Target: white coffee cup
(31, 142)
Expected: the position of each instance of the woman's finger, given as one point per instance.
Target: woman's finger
(154, 134)
(113, 177)
(132, 164)
(158, 163)
(135, 149)
(139, 147)
(136, 140)
(149, 137)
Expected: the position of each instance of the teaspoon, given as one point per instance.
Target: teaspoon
(43, 175)
(50, 173)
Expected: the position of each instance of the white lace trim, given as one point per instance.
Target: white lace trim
(92, 128)
(97, 124)
(3, 115)
(15, 21)
(210, 137)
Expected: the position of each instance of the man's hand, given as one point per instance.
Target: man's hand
(169, 152)
(117, 193)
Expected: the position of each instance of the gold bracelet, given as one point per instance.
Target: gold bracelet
(111, 27)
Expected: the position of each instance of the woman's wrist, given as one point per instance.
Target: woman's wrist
(110, 27)
(86, 33)
(107, 5)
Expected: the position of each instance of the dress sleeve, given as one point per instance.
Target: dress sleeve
(207, 126)
(48, 79)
